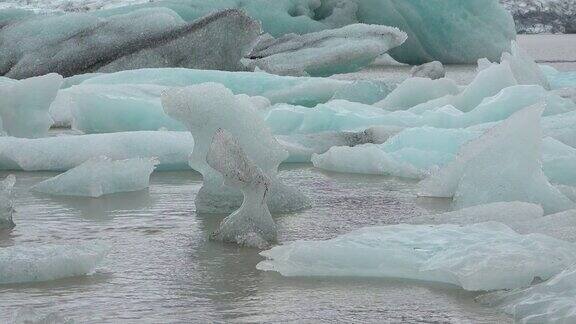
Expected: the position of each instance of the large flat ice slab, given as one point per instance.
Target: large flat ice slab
(484, 256)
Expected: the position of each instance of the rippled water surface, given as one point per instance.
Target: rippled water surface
(163, 269)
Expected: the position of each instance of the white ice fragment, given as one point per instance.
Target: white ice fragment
(204, 109)
(250, 225)
(432, 70)
(414, 91)
(327, 52)
(101, 176)
(7, 202)
(24, 105)
(552, 301)
(504, 164)
(525, 70)
(28, 263)
(477, 257)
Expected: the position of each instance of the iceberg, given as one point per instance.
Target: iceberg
(525, 70)
(428, 24)
(504, 164)
(24, 105)
(332, 51)
(78, 43)
(417, 90)
(101, 176)
(30, 263)
(479, 257)
(250, 225)
(432, 70)
(7, 202)
(62, 153)
(552, 301)
(204, 109)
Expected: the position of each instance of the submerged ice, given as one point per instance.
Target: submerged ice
(29, 263)
(101, 176)
(252, 224)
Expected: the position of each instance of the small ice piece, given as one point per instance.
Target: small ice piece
(30, 263)
(204, 109)
(552, 301)
(62, 153)
(101, 176)
(504, 164)
(432, 70)
(414, 91)
(525, 70)
(24, 105)
(250, 225)
(478, 257)
(7, 202)
(332, 51)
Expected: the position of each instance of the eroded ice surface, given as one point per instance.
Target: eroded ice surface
(24, 105)
(484, 256)
(553, 301)
(157, 37)
(28, 263)
(62, 153)
(204, 109)
(504, 164)
(342, 50)
(101, 176)
(250, 225)
(7, 202)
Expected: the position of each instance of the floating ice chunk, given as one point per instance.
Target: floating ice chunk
(509, 213)
(552, 301)
(414, 91)
(559, 160)
(101, 176)
(428, 24)
(250, 225)
(487, 83)
(504, 164)
(7, 202)
(433, 70)
(63, 153)
(525, 70)
(24, 105)
(302, 91)
(484, 256)
(302, 146)
(48, 262)
(342, 50)
(363, 91)
(79, 43)
(560, 225)
(204, 109)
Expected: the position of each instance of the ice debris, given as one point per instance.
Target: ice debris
(504, 164)
(250, 225)
(24, 105)
(432, 70)
(29, 263)
(7, 202)
(479, 257)
(101, 176)
(204, 109)
(342, 50)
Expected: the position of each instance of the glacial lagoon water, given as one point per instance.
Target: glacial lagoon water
(162, 267)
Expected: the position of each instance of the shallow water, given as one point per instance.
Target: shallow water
(163, 269)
